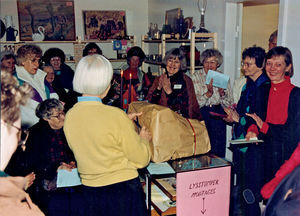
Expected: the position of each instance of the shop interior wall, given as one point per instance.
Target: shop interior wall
(258, 23)
(136, 19)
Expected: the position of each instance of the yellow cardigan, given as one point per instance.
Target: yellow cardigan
(105, 144)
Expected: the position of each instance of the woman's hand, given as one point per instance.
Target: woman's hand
(210, 89)
(29, 179)
(250, 135)
(166, 84)
(145, 134)
(232, 115)
(133, 116)
(65, 166)
(221, 92)
(160, 83)
(257, 119)
(72, 164)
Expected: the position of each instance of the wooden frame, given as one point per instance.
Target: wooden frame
(55, 18)
(171, 17)
(104, 25)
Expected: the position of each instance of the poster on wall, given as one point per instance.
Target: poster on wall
(43, 20)
(103, 25)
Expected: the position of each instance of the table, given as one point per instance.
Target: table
(181, 168)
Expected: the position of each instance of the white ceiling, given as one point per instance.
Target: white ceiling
(254, 2)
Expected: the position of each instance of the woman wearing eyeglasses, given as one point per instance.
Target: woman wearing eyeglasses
(28, 60)
(212, 99)
(280, 129)
(48, 151)
(13, 199)
(248, 165)
(174, 89)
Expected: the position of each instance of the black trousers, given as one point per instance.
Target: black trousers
(120, 199)
(249, 169)
(61, 202)
(216, 129)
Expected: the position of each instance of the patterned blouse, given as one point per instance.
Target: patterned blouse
(199, 78)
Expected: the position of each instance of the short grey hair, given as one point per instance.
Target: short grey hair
(273, 35)
(208, 53)
(45, 108)
(93, 75)
(172, 54)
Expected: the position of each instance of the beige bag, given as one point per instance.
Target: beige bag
(173, 136)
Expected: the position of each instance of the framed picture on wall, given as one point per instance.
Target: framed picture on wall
(104, 25)
(171, 17)
(46, 20)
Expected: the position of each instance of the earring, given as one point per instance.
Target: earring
(23, 146)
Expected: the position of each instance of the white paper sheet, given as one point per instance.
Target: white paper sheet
(244, 141)
(220, 80)
(66, 178)
(160, 168)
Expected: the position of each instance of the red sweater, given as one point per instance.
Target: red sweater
(284, 170)
(133, 74)
(278, 103)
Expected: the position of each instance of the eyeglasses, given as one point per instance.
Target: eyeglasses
(91, 52)
(210, 62)
(59, 115)
(55, 59)
(22, 136)
(246, 64)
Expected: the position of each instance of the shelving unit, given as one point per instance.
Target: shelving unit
(194, 39)
(78, 46)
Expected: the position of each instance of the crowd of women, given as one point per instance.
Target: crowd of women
(100, 140)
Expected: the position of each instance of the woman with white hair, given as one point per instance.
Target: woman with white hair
(106, 146)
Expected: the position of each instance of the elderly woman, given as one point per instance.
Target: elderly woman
(106, 146)
(69, 98)
(248, 160)
(174, 89)
(91, 49)
(8, 62)
(48, 151)
(212, 99)
(28, 60)
(280, 129)
(64, 74)
(140, 80)
(273, 39)
(14, 200)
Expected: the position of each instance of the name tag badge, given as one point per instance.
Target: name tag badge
(177, 86)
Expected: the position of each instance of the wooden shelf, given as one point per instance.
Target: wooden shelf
(194, 38)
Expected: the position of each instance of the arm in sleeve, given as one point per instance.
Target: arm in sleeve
(227, 99)
(258, 105)
(194, 109)
(290, 130)
(154, 95)
(135, 148)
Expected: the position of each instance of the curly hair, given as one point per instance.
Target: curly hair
(208, 53)
(257, 53)
(90, 46)
(45, 108)
(54, 52)
(136, 51)
(26, 50)
(12, 97)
